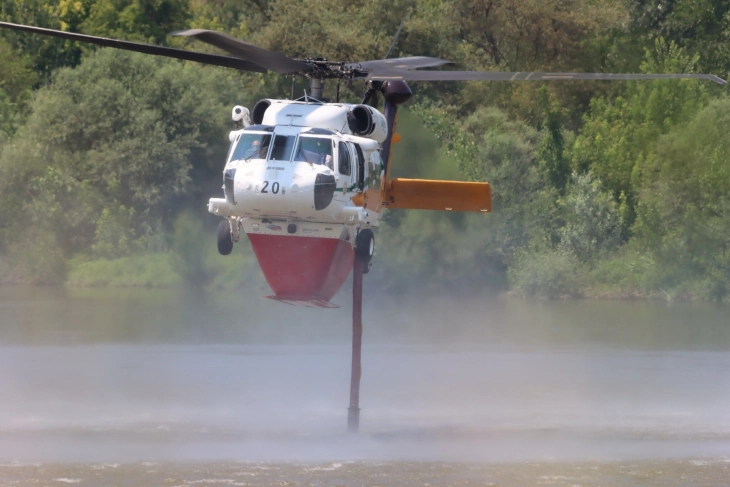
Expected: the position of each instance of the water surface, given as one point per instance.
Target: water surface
(179, 387)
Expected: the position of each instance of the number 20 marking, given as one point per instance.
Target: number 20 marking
(274, 187)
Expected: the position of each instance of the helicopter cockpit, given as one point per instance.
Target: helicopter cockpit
(275, 170)
(310, 145)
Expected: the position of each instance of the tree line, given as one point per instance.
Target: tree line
(600, 188)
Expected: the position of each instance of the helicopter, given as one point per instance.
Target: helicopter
(308, 179)
(307, 183)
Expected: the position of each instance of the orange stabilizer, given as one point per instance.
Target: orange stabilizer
(424, 194)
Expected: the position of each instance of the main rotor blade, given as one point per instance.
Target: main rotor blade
(273, 61)
(198, 57)
(399, 63)
(385, 75)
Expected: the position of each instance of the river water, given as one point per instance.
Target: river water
(182, 387)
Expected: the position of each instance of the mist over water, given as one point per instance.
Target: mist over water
(98, 377)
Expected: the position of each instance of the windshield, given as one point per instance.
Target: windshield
(251, 146)
(314, 150)
(283, 145)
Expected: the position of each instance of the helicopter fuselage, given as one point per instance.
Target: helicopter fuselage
(290, 188)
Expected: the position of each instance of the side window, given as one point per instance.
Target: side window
(377, 162)
(360, 167)
(314, 150)
(343, 163)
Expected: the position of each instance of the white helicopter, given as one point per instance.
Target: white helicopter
(306, 182)
(307, 179)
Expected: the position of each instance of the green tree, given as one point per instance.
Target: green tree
(522, 35)
(546, 272)
(352, 31)
(551, 150)
(119, 130)
(141, 20)
(700, 26)
(684, 210)
(16, 81)
(237, 18)
(44, 53)
(489, 147)
(619, 136)
(518, 35)
(593, 226)
(16, 77)
(114, 236)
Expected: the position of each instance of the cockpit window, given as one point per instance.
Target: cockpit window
(344, 160)
(283, 146)
(251, 146)
(314, 150)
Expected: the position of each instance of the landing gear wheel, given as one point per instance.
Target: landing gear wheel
(364, 247)
(225, 241)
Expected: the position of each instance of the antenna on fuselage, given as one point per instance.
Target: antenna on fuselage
(395, 38)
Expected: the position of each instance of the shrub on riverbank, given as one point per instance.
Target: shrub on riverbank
(547, 273)
(145, 270)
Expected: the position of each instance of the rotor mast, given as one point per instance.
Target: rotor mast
(316, 88)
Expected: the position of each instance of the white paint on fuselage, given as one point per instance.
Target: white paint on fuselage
(271, 194)
(283, 190)
(279, 190)
(301, 229)
(330, 116)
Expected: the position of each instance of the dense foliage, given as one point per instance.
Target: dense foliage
(600, 188)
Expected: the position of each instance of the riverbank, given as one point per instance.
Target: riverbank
(239, 270)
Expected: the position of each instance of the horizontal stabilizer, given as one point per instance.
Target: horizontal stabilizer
(424, 194)
(311, 303)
